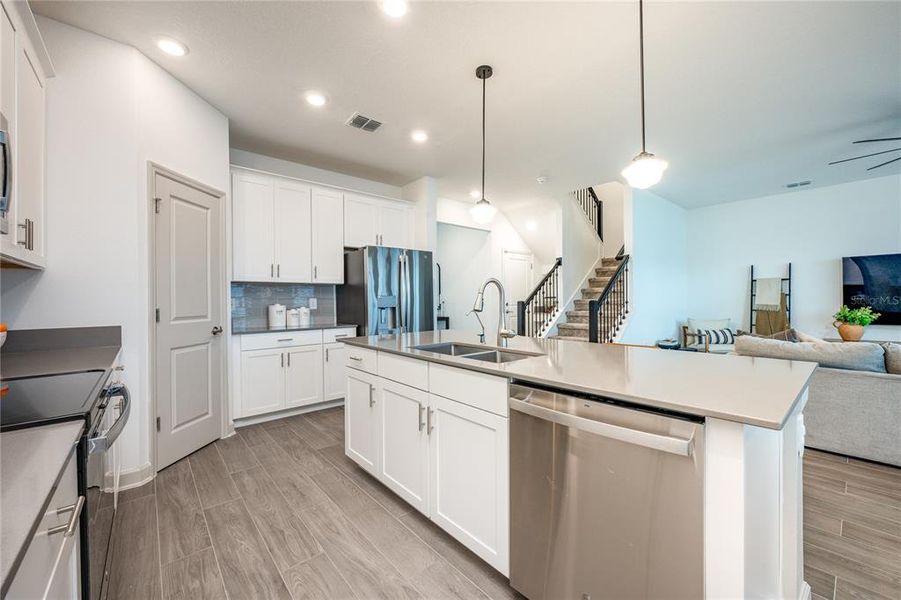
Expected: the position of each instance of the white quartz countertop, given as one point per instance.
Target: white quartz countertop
(745, 389)
(31, 462)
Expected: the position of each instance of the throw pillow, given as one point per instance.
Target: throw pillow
(892, 357)
(860, 356)
(803, 337)
(717, 336)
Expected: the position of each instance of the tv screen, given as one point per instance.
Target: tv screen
(874, 281)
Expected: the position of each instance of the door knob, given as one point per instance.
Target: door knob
(217, 330)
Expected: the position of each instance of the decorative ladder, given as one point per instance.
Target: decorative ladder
(535, 314)
(607, 313)
(593, 208)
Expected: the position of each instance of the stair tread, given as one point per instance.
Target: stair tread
(568, 337)
(573, 326)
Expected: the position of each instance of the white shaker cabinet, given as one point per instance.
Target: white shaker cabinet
(327, 236)
(372, 221)
(24, 70)
(262, 381)
(361, 420)
(253, 226)
(303, 376)
(293, 221)
(334, 382)
(405, 442)
(468, 495)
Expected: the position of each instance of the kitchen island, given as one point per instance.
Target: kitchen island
(431, 415)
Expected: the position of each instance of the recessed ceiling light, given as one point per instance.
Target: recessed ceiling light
(394, 8)
(171, 47)
(419, 136)
(475, 194)
(315, 99)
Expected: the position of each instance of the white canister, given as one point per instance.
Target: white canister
(277, 316)
(293, 317)
(304, 316)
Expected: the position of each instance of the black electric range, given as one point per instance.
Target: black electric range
(87, 396)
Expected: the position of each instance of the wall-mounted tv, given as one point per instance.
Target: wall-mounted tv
(874, 281)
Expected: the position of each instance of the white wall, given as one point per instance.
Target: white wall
(458, 247)
(613, 195)
(109, 111)
(278, 166)
(656, 238)
(813, 229)
(581, 250)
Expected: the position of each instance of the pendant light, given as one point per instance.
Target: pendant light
(645, 169)
(483, 211)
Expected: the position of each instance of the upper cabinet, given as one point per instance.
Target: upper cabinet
(286, 230)
(370, 221)
(24, 69)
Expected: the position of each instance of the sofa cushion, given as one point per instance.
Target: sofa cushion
(857, 356)
(892, 357)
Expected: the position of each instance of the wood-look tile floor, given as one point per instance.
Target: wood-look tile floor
(278, 511)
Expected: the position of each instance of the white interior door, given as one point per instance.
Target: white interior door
(517, 281)
(303, 376)
(188, 353)
(293, 256)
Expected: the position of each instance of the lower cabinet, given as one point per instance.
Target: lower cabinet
(447, 459)
(333, 370)
(50, 568)
(361, 420)
(262, 381)
(303, 376)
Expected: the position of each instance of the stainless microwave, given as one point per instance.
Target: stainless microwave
(6, 173)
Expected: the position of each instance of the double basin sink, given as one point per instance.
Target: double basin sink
(472, 352)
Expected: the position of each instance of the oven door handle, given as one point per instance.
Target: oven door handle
(103, 442)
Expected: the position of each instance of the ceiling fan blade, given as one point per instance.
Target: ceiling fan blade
(885, 163)
(891, 139)
(835, 162)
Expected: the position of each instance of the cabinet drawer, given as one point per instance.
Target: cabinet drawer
(363, 359)
(335, 335)
(408, 371)
(486, 392)
(281, 339)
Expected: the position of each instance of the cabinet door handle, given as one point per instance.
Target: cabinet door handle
(356, 358)
(278, 270)
(289, 358)
(69, 527)
(283, 359)
(271, 269)
(315, 271)
(24, 227)
(30, 234)
(326, 355)
(421, 424)
(428, 415)
(371, 398)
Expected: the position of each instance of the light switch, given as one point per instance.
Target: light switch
(313, 303)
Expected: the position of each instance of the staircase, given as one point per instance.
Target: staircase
(576, 325)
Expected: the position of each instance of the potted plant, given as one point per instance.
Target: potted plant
(851, 321)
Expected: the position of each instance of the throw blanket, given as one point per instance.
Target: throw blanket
(770, 322)
(767, 294)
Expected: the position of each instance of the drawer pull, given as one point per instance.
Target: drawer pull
(341, 335)
(69, 528)
(356, 358)
(285, 339)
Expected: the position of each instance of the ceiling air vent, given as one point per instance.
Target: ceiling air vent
(363, 122)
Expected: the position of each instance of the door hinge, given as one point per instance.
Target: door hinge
(157, 423)
(156, 205)
(157, 315)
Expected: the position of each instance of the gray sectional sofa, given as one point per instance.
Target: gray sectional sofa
(854, 403)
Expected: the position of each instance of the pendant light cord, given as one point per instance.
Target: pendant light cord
(641, 68)
(483, 138)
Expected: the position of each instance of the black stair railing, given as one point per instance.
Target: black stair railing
(593, 207)
(606, 314)
(534, 314)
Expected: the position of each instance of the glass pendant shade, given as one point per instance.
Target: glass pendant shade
(644, 171)
(482, 212)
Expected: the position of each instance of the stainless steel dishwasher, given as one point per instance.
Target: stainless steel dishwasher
(606, 501)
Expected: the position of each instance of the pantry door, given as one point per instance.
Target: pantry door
(188, 231)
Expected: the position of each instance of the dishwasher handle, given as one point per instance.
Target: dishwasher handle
(673, 445)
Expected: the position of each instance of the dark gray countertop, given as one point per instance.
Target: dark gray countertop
(39, 352)
(314, 327)
(745, 389)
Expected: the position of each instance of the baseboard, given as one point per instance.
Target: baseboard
(131, 478)
(805, 591)
(287, 413)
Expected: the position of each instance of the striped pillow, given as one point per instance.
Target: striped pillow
(718, 336)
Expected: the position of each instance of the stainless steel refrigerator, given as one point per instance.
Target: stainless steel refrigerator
(387, 291)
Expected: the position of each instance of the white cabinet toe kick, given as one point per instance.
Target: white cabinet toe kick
(439, 437)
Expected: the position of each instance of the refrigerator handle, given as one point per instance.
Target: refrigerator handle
(408, 312)
(402, 293)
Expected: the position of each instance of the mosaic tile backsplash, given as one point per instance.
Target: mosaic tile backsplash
(250, 302)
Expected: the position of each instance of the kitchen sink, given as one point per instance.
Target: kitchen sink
(480, 353)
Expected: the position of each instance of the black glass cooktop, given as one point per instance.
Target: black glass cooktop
(51, 399)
